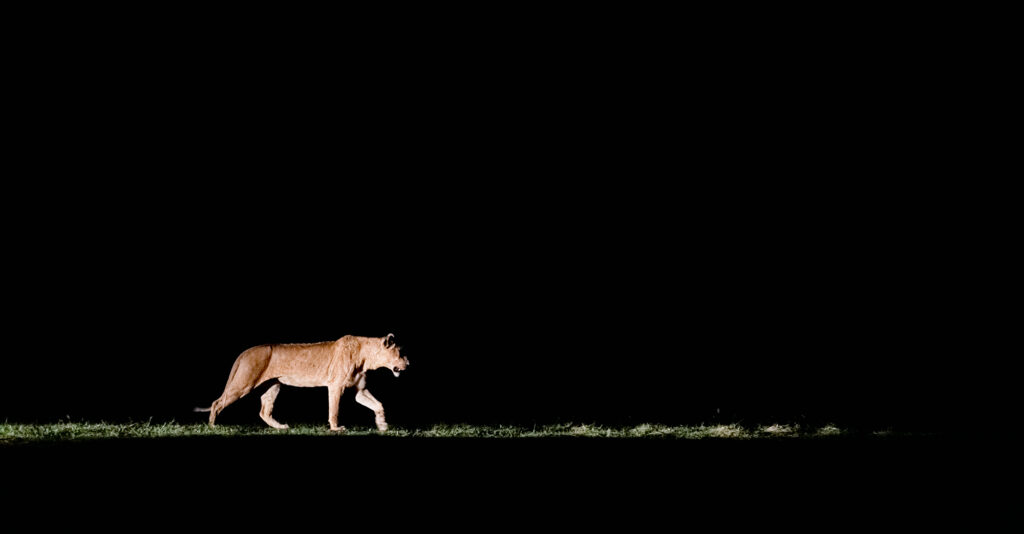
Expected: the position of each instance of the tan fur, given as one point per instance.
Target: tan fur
(335, 364)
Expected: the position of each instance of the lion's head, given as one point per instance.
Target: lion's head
(390, 356)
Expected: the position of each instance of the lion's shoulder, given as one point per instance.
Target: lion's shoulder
(348, 343)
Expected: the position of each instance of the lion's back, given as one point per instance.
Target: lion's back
(301, 354)
(303, 364)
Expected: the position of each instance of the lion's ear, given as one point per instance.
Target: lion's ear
(388, 341)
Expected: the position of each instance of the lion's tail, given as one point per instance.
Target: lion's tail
(198, 409)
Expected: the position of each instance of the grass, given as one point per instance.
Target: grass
(13, 433)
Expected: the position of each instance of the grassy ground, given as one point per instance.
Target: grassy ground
(11, 433)
(470, 475)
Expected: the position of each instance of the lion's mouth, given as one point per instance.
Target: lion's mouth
(395, 371)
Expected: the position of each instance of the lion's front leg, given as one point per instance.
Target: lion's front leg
(363, 397)
(334, 399)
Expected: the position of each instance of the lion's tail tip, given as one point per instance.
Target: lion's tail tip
(198, 409)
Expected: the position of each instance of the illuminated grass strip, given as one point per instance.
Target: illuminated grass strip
(12, 433)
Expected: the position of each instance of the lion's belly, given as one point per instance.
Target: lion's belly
(302, 382)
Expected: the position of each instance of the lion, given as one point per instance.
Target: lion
(335, 364)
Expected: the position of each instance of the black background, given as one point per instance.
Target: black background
(524, 298)
(736, 235)
(537, 314)
(679, 220)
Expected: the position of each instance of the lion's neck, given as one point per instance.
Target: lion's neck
(369, 359)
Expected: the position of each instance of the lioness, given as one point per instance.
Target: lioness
(335, 364)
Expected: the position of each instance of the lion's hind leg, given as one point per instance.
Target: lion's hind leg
(267, 407)
(223, 402)
(245, 374)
